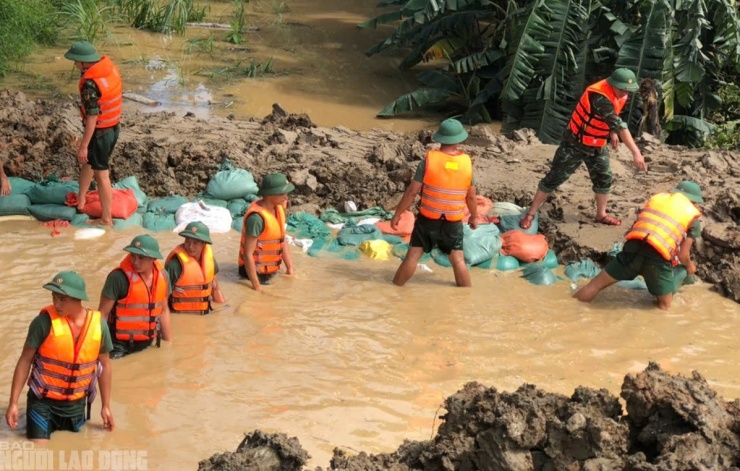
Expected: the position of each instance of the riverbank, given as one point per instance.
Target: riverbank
(177, 154)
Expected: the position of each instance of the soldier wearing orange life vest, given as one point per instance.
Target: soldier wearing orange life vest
(263, 249)
(192, 268)
(66, 354)
(445, 179)
(101, 91)
(134, 299)
(657, 246)
(594, 124)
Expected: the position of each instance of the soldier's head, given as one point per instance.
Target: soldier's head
(144, 250)
(623, 81)
(275, 188)
(450, 133)
(68, 292)
(196, 235)
(83, 54)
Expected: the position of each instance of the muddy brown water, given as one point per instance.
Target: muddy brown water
(339, 357)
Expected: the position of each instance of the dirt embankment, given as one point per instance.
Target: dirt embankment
(672, 423)
(172, 154)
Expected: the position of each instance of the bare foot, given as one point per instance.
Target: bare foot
(4, 186)
(80, 203)
(99, 222)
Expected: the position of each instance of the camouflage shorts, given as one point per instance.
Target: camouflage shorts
(569, 157)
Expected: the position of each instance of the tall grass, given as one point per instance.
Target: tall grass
(23, 24)
(88, 18)
(239, 16)
(171, 16)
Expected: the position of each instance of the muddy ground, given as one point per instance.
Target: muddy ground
(671, 423)
(177, 154)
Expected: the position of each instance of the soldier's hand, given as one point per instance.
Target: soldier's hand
(615, 140)
(640, 162)
(82, 155)
(11, 415)
(394, 222)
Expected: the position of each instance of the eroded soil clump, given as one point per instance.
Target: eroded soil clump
(671, 423)
(172, 154)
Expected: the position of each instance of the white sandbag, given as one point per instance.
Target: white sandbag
(88, 233)
(505, 209)
(368, 221)
(216, 218)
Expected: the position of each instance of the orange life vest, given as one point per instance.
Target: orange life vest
(106, 76)
(65, 370)
(269, 250)
(588, 127)
(447, 179)
(137, 315)
(663, 223)
(192, 291)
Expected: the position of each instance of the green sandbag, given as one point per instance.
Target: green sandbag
(251, 198)
(237, 208)
(356, 235)
(12, 205)
(131, 183)
(335, 217)
(231, 183)
(329, 247)
(511, 222)
(80, 220)
(392, 239)
(637, 283)
(481, 244)
(52, 191)
(307, 226)
(507, 263)
(550, 260)
(50, 212)
(538, 274)
(489, 264)
(134, 221)
(440, 258)
(19, 186)
(159, 222)
(400, 251)
(581, 269)
(166, 205)
(237, 223)
(211, 201)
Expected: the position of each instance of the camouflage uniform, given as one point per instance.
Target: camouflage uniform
(104, 140)
(571, 153)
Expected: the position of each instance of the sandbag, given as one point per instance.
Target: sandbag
(14, 204)
(217, 219)
(484, 206)
(131, 183)
(405, 225)
(307, 226)
(539, 274)
(237, 223)
(501, 208)
(393, 239)
(167, 205)
(158, 222)
(376, 249)
(636, 284)
(481, 244)
(440, 258)
(19, 186)
(525, 247)
(134, 221)
(123, 203)
(80, 220)
(51, 212)
(401, 250)
(581, 269)
(511, 223)
(507, 263)
(237, 208)
(550, 260)
(356, 235)
(251, 198)
(52, 191)
(230, 184)
(211, 201)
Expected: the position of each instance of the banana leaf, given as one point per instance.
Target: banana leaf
(416, 100)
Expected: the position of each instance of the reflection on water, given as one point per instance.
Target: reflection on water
(339, 357)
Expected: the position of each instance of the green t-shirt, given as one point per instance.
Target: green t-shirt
(38, 331)
(116, 285)
(646, 250)
(174, 268)
(255, 225)
(419, 175)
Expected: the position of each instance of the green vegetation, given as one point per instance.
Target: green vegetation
(169, 16)
(251, 69)
(727, 120)
(239, 17)
(24, 24)
(88, 18)
(527, 61)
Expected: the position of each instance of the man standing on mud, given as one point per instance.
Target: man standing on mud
(4, 182)
(101, 92)
(593, 124)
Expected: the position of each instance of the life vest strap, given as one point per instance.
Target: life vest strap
(446, 191)
(64, 364)
(665, 227)
(444, 201)
(149, 306)
(665, 217)
(180, 289)
(270, 241)
(431, 209)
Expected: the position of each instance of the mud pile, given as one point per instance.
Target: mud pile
(671, 423)
(173, 154)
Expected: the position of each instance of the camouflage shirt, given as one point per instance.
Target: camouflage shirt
(605, 110)
(90, 96)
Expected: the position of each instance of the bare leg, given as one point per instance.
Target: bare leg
(462, 275)
(665, 301)
(594, 287)
(4, 182)
(86, 176)
(102, 178)
(601, 200)
(539, 198)
(408, 266)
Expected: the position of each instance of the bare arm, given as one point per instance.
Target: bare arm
(90, 122)
(287, 260)
(105, 383)
(684, 255)
(106, 306)
(218, 295)
(407, 200)
(164, 320)
(20, 376)
(250, 244)
(472, 202)
(626, 137)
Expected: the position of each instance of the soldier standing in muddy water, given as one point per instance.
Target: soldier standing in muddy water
(101, 92)
(4, 182)
(593, 124)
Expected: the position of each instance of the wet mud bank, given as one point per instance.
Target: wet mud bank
(177, 154)
(670, 423)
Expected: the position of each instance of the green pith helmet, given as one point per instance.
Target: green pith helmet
(68, 283)
(82, 51)
(451, 131)
(689, 189)
(144, 245)
(624, 79)
(198, 231)
(275, 184)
